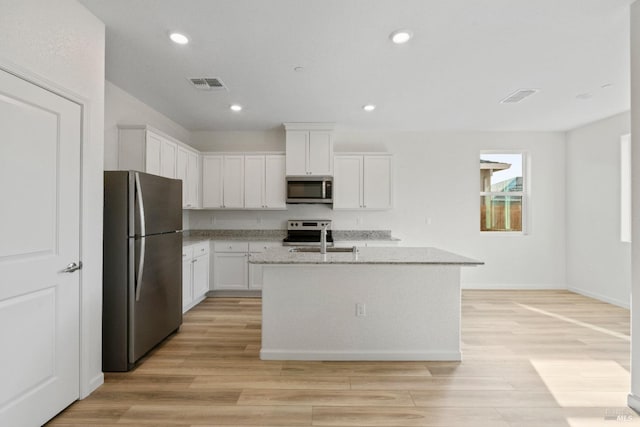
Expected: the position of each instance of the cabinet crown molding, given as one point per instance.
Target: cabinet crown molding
(309, 126)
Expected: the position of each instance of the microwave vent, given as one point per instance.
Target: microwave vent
(207, 83)
(519, 96)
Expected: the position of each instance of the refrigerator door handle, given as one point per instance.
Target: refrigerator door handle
(143, 228)
(140, 268)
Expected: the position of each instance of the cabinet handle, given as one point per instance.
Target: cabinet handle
(194, 260)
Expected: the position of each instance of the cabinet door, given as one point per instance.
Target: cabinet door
(212, 167)
(182, 173)
(168, 154)
(193, 180)
(153, 149)
(347, 182)
(377, 182)
(297, 152)
(254, 181)
(230, 271)
(233, 182)
(187, 290)
(200, 276)
(320, 160)
(275, 185)
(255, 276)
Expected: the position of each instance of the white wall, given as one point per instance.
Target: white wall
(437, 178)
(122, 108)
(60, 45)
(598, 263)
(634, 395)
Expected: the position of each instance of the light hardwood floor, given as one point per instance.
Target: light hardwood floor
(531, 358)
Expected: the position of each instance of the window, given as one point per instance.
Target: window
(502, 192)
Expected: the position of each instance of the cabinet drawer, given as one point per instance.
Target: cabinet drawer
(201, 248)
(187, 252)
(231, 246)
(263, 246)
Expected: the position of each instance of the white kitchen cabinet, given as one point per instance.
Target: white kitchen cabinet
(255, 270)
(347, 182)
(145, 149)
(254, 181)
(264, 183)
(232, 271)
(195, 274)
(239, 181)
(188, 170)
(362, 182)
(275, 184)
(212, 175)
(230, 265)
(233, 182)
(309, 149)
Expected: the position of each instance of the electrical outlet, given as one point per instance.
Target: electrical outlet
(361, 310)
(358, 220)
(427, 221)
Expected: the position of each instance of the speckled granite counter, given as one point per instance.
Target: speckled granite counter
(194, 236)
(383, 255)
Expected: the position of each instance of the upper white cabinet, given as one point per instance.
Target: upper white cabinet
(188, 170)
(233, 182)
(264, 182)
(146, 150)
(309, 149)
(212, 174)
(362, 181)
(238, 181)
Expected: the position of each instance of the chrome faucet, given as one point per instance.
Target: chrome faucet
(323, 239)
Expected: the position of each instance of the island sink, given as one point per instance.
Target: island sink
(329, 250)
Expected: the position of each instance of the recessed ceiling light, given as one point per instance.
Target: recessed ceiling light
(369, 107)
(400, 36)
(236, 107)
(179, 38)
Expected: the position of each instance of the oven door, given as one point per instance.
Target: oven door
(316, 190)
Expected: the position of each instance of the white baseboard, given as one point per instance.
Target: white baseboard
(601, 297)
(93, 384)
(361, 355)
(235, 294)
(633, 402)
(513, 286)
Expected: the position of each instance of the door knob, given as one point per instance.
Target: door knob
(72, 267)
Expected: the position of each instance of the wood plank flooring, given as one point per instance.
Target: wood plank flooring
(531, 358)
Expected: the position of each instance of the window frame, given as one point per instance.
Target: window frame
(525, 193)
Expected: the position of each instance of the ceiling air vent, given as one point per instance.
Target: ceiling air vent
(519, 95)
(210, 83)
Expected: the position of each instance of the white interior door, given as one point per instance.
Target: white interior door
(39, 229)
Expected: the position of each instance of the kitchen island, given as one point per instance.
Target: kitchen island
(384, 303)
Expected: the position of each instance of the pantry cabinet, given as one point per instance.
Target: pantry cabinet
(362, 181)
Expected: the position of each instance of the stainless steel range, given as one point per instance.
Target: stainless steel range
(307, 232)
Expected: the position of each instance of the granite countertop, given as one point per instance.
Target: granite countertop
(195, 236)
(381, 255)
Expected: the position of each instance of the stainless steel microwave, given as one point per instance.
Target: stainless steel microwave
(309, 189)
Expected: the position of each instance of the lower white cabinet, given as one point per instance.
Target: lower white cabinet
(195, 274)
(232, 271)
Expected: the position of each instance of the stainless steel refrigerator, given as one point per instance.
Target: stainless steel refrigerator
(142, 270)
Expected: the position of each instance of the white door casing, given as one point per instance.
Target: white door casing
(40, 229)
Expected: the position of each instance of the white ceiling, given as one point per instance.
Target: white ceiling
(466, 55)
